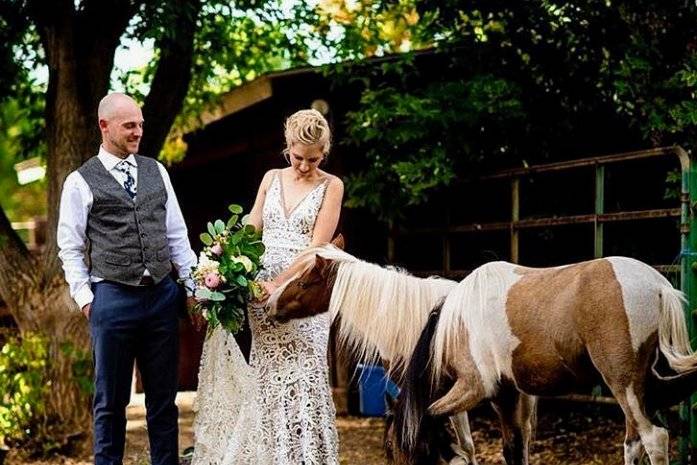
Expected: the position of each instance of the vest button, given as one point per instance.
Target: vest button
(142, 234)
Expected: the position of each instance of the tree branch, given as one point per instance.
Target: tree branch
(47, 14)
(171, 81)
(101, 24)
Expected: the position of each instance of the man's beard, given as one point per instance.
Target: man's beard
(122, 146)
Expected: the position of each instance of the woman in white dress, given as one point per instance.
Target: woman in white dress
(279, 408)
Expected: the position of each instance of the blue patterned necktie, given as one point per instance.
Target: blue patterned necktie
(130, 182)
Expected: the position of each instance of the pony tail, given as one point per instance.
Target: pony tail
(417, 393)
(673, 337)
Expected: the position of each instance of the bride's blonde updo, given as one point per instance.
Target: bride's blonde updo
(307, 127)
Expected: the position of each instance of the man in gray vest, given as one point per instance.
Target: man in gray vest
(120, 230)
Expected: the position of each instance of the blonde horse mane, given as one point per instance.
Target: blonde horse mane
(465, 311)
(382, 310)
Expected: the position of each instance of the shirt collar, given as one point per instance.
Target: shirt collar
(110, 160)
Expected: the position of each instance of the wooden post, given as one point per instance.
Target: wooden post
(599, 209)
(515, 217)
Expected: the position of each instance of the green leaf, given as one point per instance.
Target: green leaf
(232, 221)
(217, 296)
(235, 209)
(206, 239)
(219, 226)
(237, 237)
(241, 280)
(211, 229)
(203, 293)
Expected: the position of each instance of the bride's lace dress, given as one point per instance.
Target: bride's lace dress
(279, 408)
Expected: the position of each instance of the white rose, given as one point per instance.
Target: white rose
(245, 261)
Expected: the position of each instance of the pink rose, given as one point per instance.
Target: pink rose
(212, 280)
(217, 249)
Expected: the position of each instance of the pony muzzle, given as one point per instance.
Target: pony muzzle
(285, 312)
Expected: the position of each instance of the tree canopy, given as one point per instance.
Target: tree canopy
(523, 82)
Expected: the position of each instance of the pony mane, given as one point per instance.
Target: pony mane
(306, 259)
(416, 395)
(467, 308)
(382, 310)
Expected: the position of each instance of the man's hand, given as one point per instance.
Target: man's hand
(86, 310)
(196, 318)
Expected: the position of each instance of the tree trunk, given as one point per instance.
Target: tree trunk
(42, 307)
(79, 46)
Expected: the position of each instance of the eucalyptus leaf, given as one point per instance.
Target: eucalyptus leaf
(219, 226)
(217, 296)
(203, 293)
(235, 209)
(206, 239)
(211, 229)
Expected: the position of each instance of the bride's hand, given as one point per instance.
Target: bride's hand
(267, 288)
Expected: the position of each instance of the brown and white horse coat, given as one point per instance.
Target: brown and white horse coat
(547, 331)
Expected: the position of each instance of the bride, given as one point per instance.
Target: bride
(279, 408)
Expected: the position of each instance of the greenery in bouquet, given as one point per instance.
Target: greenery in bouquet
(227, 267)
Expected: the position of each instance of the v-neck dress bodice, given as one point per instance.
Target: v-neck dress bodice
(286, 234)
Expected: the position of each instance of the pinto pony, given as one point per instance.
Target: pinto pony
(381, 311)
(508, 333)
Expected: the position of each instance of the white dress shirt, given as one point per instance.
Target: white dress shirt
(76, 202)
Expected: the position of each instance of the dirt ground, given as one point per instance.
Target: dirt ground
(567, 433)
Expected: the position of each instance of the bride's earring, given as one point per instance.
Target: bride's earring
(285, 155)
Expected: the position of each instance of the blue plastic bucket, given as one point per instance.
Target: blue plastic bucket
(372, 386)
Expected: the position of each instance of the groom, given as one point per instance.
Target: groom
(120, 229)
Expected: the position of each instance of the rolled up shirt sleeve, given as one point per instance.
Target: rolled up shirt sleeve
(72, 239)
(181, 254)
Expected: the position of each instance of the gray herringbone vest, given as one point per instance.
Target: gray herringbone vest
(126, 237)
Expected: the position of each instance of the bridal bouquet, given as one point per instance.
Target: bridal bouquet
(227, 266)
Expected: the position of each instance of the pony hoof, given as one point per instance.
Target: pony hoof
(461, 457)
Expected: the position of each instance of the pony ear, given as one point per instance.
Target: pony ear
(322, 265)
(338, 241)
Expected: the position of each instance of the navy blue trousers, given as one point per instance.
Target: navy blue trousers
(130, 323)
